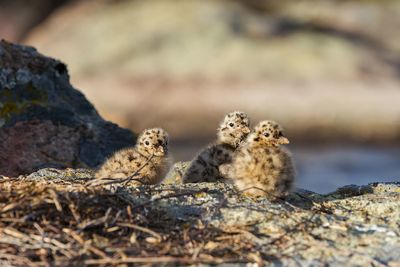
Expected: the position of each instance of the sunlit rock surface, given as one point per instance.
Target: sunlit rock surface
(355, 225)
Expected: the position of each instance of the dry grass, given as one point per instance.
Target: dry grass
(43, 224)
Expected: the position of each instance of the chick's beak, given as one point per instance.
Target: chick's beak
(160, 150)
(283, 141)
(246, 130)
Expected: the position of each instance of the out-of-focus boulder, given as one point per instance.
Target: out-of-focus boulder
(44, 121)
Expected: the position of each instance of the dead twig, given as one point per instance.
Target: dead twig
(165, 259)
(190, 193)
(140, 228)
(95, 222)
(109, 181)
(16, 260)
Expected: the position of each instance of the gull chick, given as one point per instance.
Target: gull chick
(261, 167)
(231, 132)
(147, 161)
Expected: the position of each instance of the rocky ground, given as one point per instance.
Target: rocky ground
(54, 217)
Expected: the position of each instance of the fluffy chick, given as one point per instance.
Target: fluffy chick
(231, 132)
(261, 167)
(149, 158)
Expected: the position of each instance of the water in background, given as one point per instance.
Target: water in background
(324, 169)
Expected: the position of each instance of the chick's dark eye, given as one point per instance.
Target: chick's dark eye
(231, 124)
(147, 143)
(266, 134)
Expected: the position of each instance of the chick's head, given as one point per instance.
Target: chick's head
(153, 142)
(268, 133)
(234, 128)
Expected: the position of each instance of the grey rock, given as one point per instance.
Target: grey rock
(176, 173)
(348, 229)
(352, 190)
(23, 76)
(60, 176)
(44, 121)
(308, 229)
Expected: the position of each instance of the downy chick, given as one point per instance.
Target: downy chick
(261, 167)
(231, 132)
(148, 159)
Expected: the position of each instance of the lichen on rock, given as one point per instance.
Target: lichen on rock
(44, 121)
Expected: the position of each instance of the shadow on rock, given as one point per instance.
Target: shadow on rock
(44, 121)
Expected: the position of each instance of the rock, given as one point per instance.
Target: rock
(44, 121)
(61, 176)
(175, 175)
(352, 190)
(308, 229)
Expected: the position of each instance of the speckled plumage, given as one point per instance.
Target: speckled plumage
(231, 132)
(261, 167)
(150, 151)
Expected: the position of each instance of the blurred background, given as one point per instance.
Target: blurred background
(328, 71)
